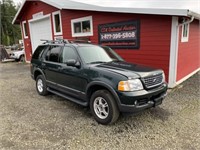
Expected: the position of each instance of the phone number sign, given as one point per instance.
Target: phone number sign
(120, 35)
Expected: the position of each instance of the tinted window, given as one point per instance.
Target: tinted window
(53, 54)
(68, 53)
(93, 54)
(38, 52)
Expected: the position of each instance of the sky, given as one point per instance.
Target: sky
(180, 4)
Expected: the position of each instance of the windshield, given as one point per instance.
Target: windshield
(97, 54)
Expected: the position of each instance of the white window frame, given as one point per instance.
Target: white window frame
(81, 20)
(186, 38)
(23, 23)
(54, 25)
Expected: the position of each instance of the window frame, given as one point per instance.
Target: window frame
(54, 23)
(187, 28)
(73, 21)
(61, 54)
(49, 49)
(25, 31)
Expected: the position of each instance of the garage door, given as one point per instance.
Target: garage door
(40, 29)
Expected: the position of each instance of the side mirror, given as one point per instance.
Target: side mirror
(73, 63)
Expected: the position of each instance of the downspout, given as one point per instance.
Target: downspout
(177, 45)
(174, 50)
(187, 22)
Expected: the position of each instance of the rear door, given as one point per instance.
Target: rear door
(51, 64)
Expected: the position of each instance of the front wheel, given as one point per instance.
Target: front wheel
(22, 58)
(104, 107)
(41, 85)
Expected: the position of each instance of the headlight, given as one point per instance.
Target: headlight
(130, 85)
(163, 74)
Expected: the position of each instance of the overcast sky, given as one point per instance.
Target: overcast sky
(180, 4)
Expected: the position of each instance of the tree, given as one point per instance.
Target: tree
(10, 34)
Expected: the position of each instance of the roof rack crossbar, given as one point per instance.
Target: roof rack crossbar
(65, 41)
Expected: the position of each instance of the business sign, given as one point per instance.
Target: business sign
(120, 35)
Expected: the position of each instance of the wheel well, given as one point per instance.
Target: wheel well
(36, 74)
(95, 88)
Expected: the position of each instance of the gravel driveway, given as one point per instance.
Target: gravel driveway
(30, 121)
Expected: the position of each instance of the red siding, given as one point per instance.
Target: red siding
(155, 35)
(189, 52)
(30, 9)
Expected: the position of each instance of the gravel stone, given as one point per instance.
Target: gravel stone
(30, 121)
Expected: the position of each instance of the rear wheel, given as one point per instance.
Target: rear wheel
(41, 85)
(104, 107)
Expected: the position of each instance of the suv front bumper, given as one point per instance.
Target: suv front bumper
(140, 100)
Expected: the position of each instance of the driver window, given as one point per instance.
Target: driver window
(67, 54)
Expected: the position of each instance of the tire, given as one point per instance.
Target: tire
(22, 58)
(103, 107)
(41, 85)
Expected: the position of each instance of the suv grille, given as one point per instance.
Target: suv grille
(153, 81)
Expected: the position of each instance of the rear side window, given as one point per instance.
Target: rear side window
(53, 54)
(38, 52)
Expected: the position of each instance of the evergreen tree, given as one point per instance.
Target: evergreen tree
(10, 34)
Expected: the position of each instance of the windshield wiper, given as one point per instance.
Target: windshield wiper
(97, 62)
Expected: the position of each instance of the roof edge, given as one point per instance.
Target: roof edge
(194, 14)
(151, 11)
(44, 1)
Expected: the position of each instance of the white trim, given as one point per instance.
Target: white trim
(185, 39)
(54, 27)
(39, 18)
(72, 5)
(25, 36)
(188, 76)
(38, 15)
(81, 20)
(173, 52)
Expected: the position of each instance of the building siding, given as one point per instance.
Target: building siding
(30, 9)
(155, 34)
(189, 52)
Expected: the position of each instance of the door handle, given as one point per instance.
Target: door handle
(43, 64)
(60, 68)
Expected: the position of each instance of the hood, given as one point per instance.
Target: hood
(18, 52)
(130, 70)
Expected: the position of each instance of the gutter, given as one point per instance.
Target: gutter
(187, 22)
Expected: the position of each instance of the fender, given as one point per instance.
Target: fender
(40, 70)
(107, 86)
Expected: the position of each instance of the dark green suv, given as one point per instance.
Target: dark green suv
(96, 76)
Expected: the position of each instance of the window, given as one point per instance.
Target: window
(38, 52)
(185, 32)
(57, 23)
(25, 31)
(53, 54)
(82, 27)
(67, 54)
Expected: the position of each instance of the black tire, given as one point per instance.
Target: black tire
(41, 86)
(22, 58)
(111, 111)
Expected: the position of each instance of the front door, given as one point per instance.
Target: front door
(71, 78)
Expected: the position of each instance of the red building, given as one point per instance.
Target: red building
(161, 38)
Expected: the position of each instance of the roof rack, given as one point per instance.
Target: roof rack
(57, 41)
(65, 41)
